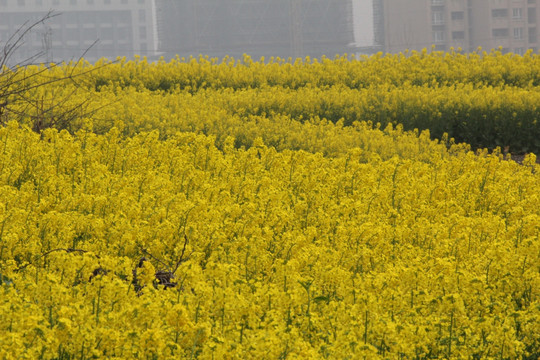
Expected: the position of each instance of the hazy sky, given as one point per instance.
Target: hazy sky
(112, 45)
(363, 19)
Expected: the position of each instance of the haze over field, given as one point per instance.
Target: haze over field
(261, 28)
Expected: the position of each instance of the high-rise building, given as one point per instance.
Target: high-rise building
(467, 24)
(95, 28)
(510, 25)
(284, 28)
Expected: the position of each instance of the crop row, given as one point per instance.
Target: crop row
(422, 91)
(283, 254)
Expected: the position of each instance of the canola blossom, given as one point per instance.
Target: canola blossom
(483, 99)
(290, 234)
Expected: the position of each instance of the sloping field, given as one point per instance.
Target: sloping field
(241, 210)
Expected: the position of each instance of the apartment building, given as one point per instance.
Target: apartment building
(284, 28)
(508, 24)
(95, 28)
(467, 24)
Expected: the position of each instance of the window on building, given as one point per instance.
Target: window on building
(105, 19)
(517, 13)
(440, 47)
(531, 15)
(458, 35)
(124, 1)
(20, 2)
(499, 13)
(72, 35)
(90, 2)
(142, 32)
(90, 35)
(531, 1)
(123, 33)
(499, 32)
(519, 51)
(458, 15)
(140, 2)
(438, 36)
(39, 2)
(142, 15)
(437, 17)
(3, 2)
(89, 18)
(106, 34)
(518, 33)
(533, 35)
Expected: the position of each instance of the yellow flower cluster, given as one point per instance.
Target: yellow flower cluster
(283, 234)
(290, 253)
(484, 99)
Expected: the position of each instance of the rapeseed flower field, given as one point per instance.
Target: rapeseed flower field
(241, 209)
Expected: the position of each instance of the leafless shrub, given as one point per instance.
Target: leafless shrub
(164, 276)
(17, 82)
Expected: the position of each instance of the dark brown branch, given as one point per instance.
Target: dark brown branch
(17, 80)
(162, 277)
(16, 39)
(181, 260)
(146, 252)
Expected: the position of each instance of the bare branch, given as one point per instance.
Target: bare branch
(18, 80)
(181, 260)
(155, 258)
(17, 38)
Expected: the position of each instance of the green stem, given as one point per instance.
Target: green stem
(451, 331)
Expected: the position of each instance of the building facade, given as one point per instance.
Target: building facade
(279, 28)
(460, 24)
(93, 28)
(154, 28)
(509, 24)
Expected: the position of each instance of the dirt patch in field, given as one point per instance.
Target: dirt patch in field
(519, 158)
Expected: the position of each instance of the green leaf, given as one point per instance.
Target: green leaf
(4, 280)
(321, 299)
